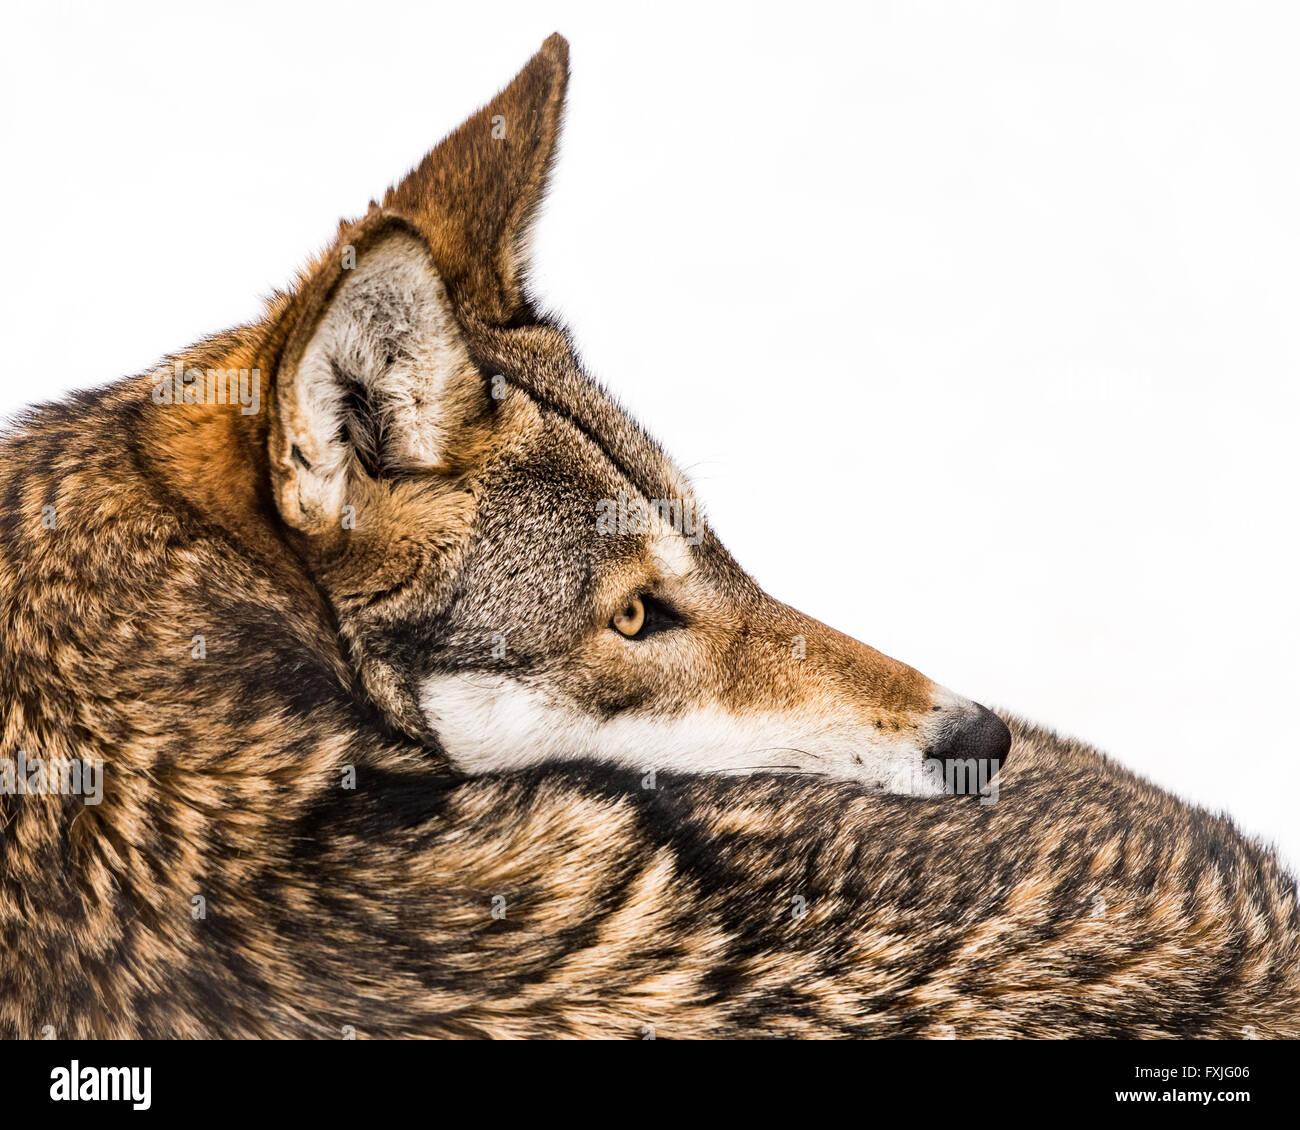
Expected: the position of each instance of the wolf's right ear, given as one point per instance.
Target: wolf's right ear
(374, 380)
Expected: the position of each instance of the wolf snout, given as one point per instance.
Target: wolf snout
(981, 737)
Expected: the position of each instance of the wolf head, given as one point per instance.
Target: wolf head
(519, 572)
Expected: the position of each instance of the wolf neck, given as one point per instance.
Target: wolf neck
(154, 624)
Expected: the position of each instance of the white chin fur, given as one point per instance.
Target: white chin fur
(492, 722)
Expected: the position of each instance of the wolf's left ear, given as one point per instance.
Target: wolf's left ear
(376, 375)
(475, 195)
(375, 380)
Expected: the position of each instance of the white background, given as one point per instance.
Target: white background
(975, 323)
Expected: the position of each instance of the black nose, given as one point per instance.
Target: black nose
(982, 739)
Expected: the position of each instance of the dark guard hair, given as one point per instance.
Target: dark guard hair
(282, 848)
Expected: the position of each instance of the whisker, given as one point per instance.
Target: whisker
(788, 749)
(760, 768)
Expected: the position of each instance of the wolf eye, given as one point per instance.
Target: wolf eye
(631, 620)
(643, 616)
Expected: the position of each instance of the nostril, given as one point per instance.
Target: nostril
(981, 737)
(992, 736)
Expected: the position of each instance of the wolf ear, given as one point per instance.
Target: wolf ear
(475, 195)
(376, 380)
(375, 375)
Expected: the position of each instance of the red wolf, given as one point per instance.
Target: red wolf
(409, 695)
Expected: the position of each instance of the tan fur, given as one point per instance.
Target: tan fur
(568, 899)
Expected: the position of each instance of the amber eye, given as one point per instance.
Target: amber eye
(630, 621)
(645, 615)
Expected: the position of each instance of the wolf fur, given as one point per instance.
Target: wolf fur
(375, 760)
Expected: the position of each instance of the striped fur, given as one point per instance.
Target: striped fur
(286, 846)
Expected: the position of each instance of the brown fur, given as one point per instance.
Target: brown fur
(1084, 902)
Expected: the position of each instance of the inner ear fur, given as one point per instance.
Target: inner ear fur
(375, 380)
